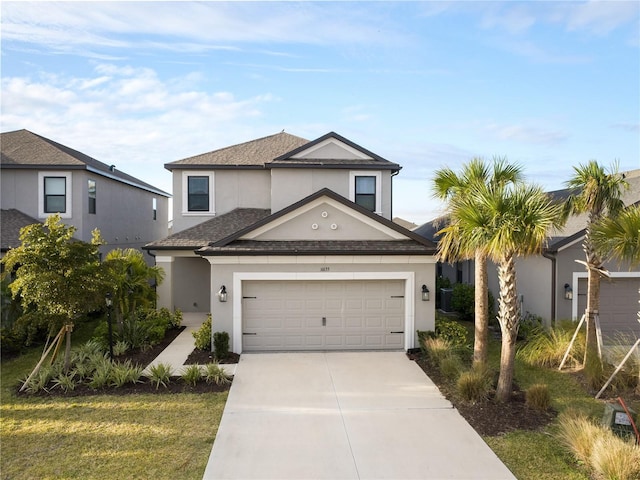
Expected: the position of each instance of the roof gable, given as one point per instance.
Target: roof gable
(12, 222)
(311, 220)
(332, 150)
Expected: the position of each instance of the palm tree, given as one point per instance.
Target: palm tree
(130, 280)
(506, 221)
(597, 193)
(618, 238)
(448, 185)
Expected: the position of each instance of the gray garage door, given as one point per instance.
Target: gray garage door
(618, 306)
(323, 315)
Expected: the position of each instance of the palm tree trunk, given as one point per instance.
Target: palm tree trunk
(593, 300)
(509, 318)
(480, 345)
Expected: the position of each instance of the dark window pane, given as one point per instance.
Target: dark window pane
(55, 191)
(366, 192)
(198, 195)
(92, 196)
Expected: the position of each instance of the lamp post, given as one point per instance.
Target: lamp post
(109, 302)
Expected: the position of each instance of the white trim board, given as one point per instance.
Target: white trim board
(409, 294)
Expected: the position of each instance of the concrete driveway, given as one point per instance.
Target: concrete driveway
(343, 415)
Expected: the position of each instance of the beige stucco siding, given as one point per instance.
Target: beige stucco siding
(327, 222)
(187, 282)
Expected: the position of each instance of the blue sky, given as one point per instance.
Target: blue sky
(549, 85)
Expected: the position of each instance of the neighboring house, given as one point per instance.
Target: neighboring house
(289, 244)
(553, 285)
(41, 177)
(12, 221)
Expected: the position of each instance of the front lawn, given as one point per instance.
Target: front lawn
(159, 436)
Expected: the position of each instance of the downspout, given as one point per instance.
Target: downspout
(393, 174)
(553, 284)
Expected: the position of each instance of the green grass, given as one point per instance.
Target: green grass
(166, 436)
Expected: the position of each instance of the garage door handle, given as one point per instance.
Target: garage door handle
(397, 332)
(245, 333)
(324, 321)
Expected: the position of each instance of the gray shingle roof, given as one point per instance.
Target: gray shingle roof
(210, 231)
(255, 153)
(25, 149)
(319, 247)
(12, 221)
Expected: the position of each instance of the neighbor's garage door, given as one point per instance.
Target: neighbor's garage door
(618, 306)
(323, 315)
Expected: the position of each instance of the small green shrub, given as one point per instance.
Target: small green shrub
(203, 335)
(176, 319)
(66, 381)
(451, 331)
(538, 397)
(192, 374)
(120, 348)
(125, 372)
(101, 376)
(160, 374)
(475, 385)
(530, 326)
(214, 373)
(463, 300)
(221, 345)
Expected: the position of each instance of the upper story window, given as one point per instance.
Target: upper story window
(91, 189)
(155, 208)
(54, 193)
(197, 193)
(364, 190)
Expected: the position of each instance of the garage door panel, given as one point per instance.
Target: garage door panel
(357, 315)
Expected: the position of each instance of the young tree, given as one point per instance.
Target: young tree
(506, 221)
(597, 193)
(55, 275)
(450, 186)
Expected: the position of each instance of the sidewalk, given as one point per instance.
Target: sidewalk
(179, 350)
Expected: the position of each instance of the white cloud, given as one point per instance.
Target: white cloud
(192, 26)
(598, 17)
(130, 117)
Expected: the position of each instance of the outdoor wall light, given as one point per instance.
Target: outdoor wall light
(425, 293)
(222, 294)
(568, 292)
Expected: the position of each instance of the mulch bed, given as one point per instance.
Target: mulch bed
(144, 357)
(488, 417)
(202, 357)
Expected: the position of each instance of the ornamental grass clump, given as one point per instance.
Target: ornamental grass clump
(546, 348)
(124, 373)
(437, 349)
(66, 382)
(607, 455)
(475, 385)
(538, 397)
(214, 373)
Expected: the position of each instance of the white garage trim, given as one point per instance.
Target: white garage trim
(409, 294)
(579, 275)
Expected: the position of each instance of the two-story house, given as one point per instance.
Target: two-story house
(41, 177)
(289, 244)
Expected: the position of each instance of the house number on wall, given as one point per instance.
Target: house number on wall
(325, 269)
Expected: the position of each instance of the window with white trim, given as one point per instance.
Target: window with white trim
(364, 189)
(54, 194)
(197, 193)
